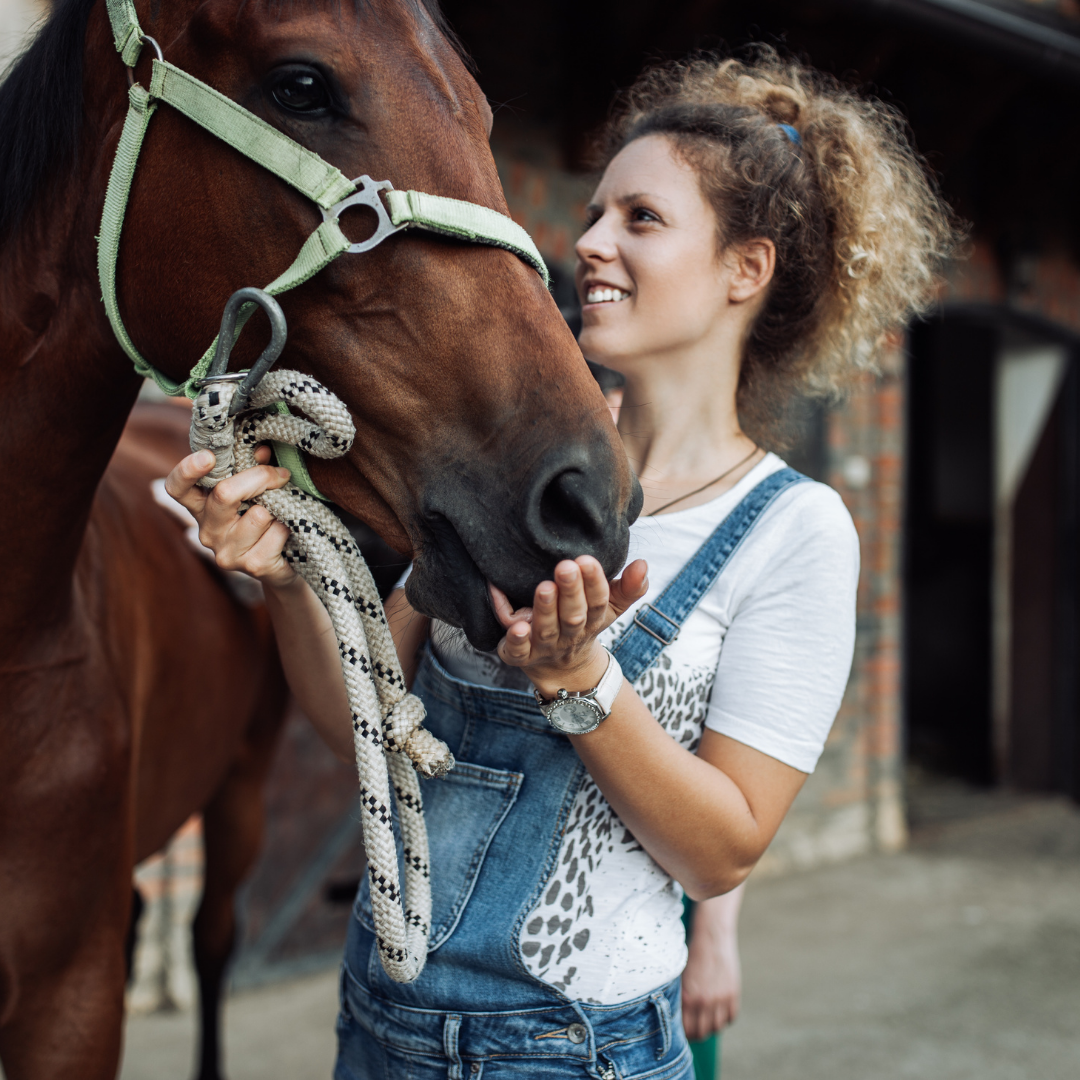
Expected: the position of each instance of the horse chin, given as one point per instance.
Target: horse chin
(446, 584)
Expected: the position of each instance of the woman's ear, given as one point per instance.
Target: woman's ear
(754, 265)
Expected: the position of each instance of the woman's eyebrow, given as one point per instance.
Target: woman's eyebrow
(623, 200)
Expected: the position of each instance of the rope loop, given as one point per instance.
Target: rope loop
(392, 746)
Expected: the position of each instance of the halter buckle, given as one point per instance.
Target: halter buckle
(368, 195)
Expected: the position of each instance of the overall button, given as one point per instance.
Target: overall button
(577, 1033)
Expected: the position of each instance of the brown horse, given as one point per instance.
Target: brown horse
(133, 690)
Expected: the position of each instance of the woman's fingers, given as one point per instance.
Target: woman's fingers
(180, 483)
(504, 610)
(692, 1022)
(264, 558)
(572, 605)
(224, 501)
(515, 648)
(245, 534)
(631, 587)
(545, 620)
(597, 592)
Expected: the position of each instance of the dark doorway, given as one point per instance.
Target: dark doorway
(949, 545)
(1043, 749)
(949, 570)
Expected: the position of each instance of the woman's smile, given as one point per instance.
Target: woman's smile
(601, 294)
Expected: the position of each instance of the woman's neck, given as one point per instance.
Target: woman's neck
(680, 428)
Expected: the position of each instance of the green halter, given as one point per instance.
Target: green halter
(304, 170)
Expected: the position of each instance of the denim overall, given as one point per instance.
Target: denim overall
(495, 825)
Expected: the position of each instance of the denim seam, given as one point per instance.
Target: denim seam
(577, 778)
(628, 1041)
(510, 795)
(663, 1012)
(536, 1011)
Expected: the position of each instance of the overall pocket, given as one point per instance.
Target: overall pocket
(463, 811)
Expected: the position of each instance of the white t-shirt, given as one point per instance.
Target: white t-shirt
(763, 659)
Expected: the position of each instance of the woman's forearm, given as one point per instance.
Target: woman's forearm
(409, 629)
(718, 918)
(705, 818)
(309, 654)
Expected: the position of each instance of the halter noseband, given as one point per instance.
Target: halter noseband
(299, 167)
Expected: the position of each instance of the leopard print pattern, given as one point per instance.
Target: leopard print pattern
(560, 935)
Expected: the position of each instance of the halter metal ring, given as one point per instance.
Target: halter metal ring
(146, 39)
(367, 195)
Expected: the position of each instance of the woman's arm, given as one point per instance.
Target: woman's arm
(410, 631)
(705, 818)
(712, 979)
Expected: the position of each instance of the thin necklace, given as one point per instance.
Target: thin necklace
(697, 491)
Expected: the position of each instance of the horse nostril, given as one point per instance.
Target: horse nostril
(571, 522)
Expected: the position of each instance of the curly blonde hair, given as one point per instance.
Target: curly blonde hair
(787, 153)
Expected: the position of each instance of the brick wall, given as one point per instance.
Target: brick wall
(853, 803)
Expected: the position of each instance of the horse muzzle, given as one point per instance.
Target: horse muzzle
(514, 533)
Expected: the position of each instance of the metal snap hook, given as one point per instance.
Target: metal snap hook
(278, 334)
(368, 196)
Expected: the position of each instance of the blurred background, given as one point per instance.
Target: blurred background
(918, 914)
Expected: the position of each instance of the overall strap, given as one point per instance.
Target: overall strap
(657, 625)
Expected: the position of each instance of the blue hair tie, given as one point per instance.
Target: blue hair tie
(791, 133)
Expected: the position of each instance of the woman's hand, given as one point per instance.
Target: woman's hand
(251, 542)
(712, 980)
(555, 639)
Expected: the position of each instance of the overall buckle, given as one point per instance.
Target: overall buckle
(650, 631)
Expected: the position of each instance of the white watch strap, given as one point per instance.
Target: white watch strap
(607, 690)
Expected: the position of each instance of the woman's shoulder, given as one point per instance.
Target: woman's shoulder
(807, 528)
(814, 508)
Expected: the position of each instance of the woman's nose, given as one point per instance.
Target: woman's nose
(596, 244)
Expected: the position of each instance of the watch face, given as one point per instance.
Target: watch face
(575, 716)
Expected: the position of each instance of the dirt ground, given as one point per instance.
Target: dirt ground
(956, 960)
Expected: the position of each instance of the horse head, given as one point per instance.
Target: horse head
(484, 446)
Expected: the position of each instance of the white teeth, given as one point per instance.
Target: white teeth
(605, 296)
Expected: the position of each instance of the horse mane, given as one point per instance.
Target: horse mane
(41, 105)
(41, 110)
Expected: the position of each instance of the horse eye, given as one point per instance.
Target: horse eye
(301, 90)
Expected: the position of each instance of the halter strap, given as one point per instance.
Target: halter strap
(126, 30)
(322, 183)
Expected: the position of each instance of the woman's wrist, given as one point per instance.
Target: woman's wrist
(286, 591)
(578, 677)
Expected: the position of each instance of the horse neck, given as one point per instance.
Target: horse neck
(65, 391)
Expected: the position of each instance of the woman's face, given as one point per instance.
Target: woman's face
(649, 275)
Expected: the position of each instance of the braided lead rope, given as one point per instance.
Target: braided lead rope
(387, 719)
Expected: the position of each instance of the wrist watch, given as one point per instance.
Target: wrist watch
(578, 714)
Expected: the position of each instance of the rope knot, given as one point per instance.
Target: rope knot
(403, 733)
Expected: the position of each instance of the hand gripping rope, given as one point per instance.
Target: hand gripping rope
(234, 413)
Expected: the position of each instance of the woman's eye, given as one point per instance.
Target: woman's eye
(639, 213)
(301, 90)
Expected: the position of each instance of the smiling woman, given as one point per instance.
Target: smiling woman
(755, 232)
